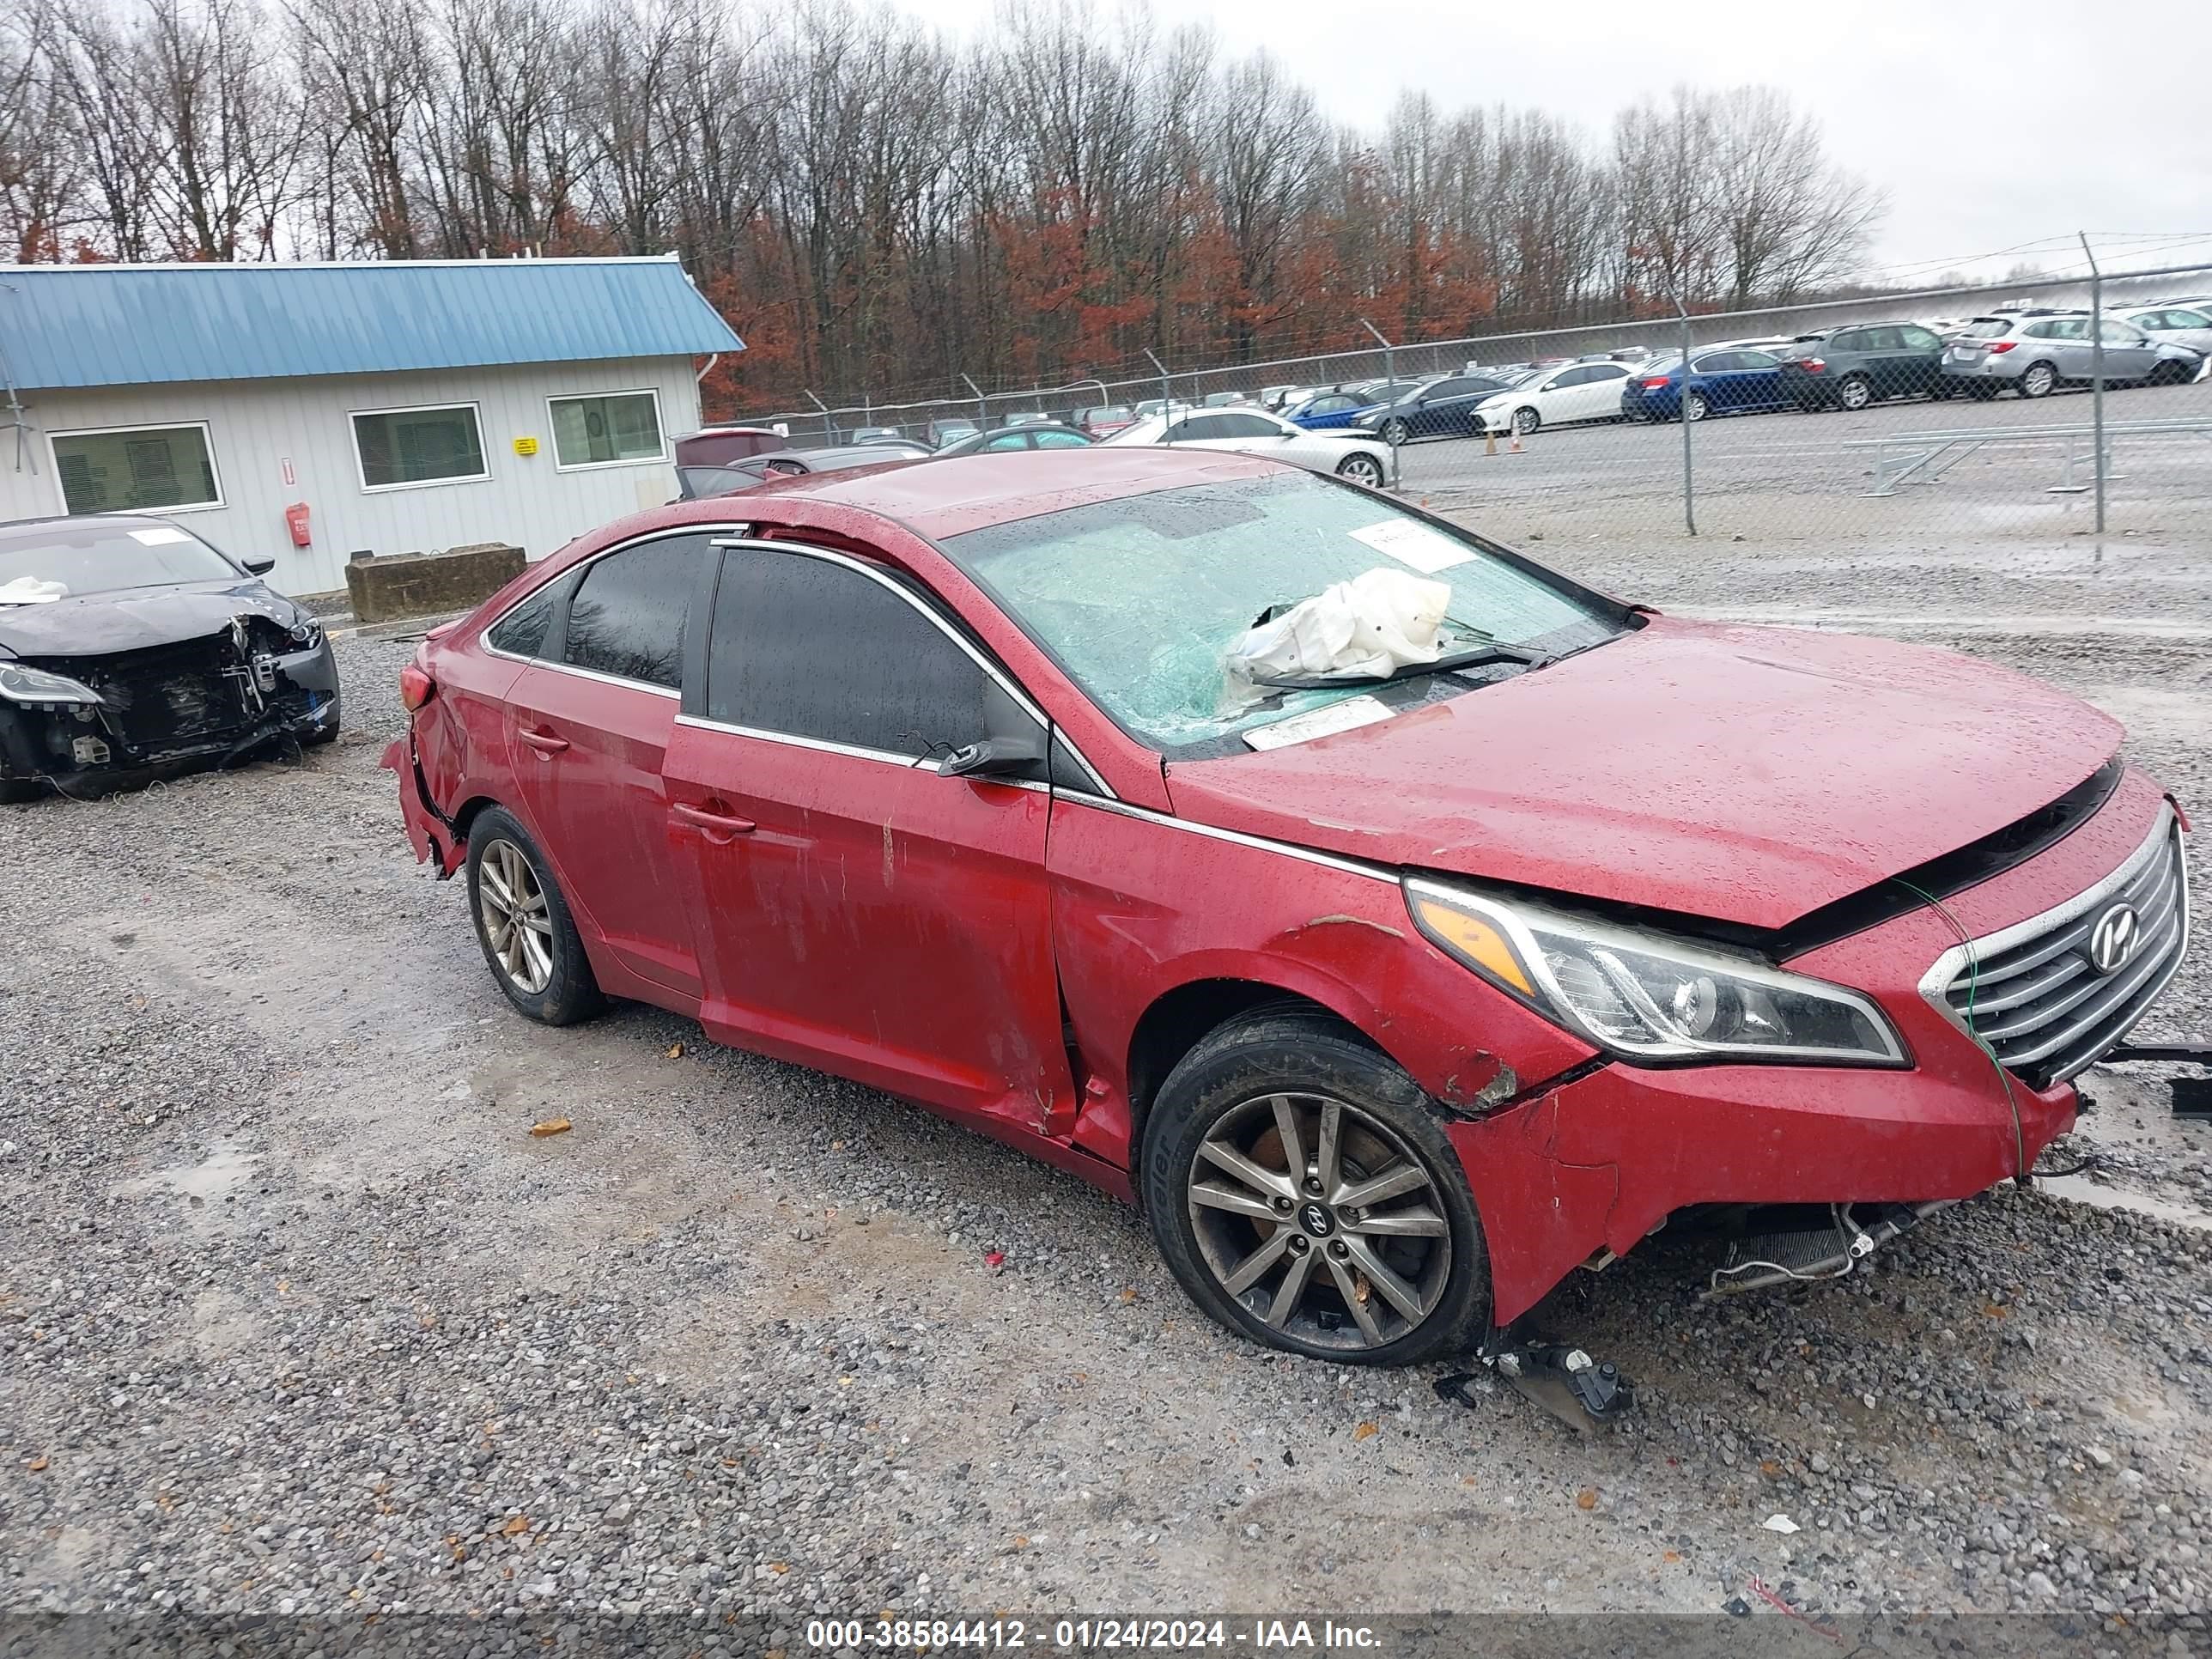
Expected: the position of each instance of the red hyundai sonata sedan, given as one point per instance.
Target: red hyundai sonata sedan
(1390, 1002)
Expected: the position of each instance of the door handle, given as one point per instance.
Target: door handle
(544, 742)
(720, 827)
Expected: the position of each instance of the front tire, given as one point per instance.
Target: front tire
(529, 938)
(1526, 420)
(1303, 1194)
(1396, 434)
(1361, 469)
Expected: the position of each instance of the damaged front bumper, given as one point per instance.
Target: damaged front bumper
(158, 713)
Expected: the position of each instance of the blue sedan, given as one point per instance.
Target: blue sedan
(1721, 380)
(1327, 410)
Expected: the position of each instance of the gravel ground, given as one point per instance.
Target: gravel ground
(297, 1317)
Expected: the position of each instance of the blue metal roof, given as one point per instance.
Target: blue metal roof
(87, 325)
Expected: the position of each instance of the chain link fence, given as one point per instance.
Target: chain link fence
(1905, 418)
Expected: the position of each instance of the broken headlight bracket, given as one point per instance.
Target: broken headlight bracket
(2193, 1095)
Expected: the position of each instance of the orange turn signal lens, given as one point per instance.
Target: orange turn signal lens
(1472, 939)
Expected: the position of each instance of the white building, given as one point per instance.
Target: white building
(308, 412)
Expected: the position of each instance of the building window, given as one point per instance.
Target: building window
(607, 431)
(149, 469)
(402, 447)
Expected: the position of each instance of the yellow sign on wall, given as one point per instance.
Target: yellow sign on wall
(525, 446)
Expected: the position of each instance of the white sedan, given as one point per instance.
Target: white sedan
(1362, 458)
(1572, 391)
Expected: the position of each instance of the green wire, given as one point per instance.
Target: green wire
(1973, 983)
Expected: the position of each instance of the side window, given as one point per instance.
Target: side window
(1613, 372)
(1851, 339)
(1576, 376)
(626, 618)
(1198, 427)
(812, 649)
(1245, 426)
(1714, 362)
(1457, 387)
(1060, 440)
(2073, 328)
(521, 631)
(1008, 440)
(2186, 320)
(2041, 331)
(1920, 339)
(2118, 334)
(1757, 360)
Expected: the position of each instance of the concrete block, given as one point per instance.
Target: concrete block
(426, 584)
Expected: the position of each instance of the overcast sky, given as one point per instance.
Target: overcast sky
(1988, 125)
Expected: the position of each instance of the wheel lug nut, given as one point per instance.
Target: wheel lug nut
(1298, 1245)
(1338, 1248)
(1283, 1204)
(1313, 1185)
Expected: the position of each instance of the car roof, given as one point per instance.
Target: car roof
(957, 493)
(25, 529)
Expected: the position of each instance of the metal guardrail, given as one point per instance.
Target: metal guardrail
(1923, 457)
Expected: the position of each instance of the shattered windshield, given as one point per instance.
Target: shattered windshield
(1140, 598)
(91, 556)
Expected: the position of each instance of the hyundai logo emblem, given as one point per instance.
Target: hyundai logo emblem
(1316, 1220)
(2114, 938)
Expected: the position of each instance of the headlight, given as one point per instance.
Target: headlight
(307, 633)
(20, 682)
(1648, 996)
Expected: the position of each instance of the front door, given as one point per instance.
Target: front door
(588, 730)
(853, 909)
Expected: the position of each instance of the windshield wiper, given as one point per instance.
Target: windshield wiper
(1488, 652)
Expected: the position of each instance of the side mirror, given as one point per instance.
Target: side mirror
(993, 757)
(259, 567)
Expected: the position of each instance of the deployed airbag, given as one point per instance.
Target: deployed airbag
(1380, 621)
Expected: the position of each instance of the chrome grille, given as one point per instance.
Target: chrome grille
(2031, 992)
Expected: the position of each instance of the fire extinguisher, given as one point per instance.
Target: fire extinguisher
(295, 520)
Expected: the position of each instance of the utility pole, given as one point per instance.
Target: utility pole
(1390, 374)
(2097, 372)
(829, 431)
(982, 414)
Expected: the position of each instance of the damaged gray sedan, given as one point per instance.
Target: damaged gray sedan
(131, 649)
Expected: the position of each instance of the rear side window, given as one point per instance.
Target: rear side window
(628, 616)
(1060, 441)
(521, 631)
(812, 649)
(1985, 328)
(1851, 339)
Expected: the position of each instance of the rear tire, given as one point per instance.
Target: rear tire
(1694, 406)
(1855, 392)
(2038, 381)
(1361, 469)
(528, 938)
(1233, 1203)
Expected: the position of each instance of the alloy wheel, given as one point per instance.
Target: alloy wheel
(1694, 406)
(511, 904)
(1320, 1221)
(2038, 381)
(1395, 433)
(1362, 469)
(1855, 393)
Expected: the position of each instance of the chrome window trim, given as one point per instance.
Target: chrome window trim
(847, 750)
(1936, 981)
(1238, 838)
(1027, 704)
(483, 633)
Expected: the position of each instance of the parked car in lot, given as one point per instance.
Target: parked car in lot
(926, 777)
(1345, 405)
(719, 446)
(1348, 453)
(131, 650)
(700, 483)
(942, 432)
(1720, 380)
(1442, 408)
(1031, 417)
(1848, 367)
(2034, 353)
(876, 435)
(1571, 392)
(1105, 420)
(2182, 326)
(1036, 434)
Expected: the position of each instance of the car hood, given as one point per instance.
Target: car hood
(1747, 774)
(135, 618)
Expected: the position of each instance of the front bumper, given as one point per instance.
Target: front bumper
(1594, 1164)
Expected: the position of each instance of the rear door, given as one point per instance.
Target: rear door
(853, 908)
(1920, 362)
(1757, 379)
(2129, 353)
(589, 730)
